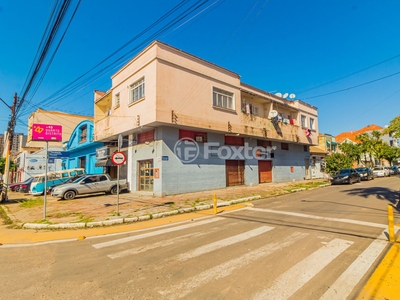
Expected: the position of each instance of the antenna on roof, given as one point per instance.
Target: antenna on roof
(285, 95)
(278, 94)
(292, 96)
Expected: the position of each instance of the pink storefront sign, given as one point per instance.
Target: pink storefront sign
(46, 132)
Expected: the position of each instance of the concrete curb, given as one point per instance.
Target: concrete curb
(145, 217)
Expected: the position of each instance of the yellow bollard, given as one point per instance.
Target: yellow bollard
(391, 223)
(215, 204)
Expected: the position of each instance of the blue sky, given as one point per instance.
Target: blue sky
(340, 56)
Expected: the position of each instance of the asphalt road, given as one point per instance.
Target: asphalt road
(318, 244)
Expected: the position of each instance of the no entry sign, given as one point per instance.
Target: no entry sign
(118, 158)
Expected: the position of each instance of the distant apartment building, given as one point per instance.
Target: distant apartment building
(187, 125)
(18, 141)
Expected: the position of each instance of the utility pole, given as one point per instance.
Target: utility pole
(10, 132)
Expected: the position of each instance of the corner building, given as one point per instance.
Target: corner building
(189, 125)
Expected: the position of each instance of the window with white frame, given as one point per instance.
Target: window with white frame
(116, 100)
(137, 91)
(303, 121)
(223, 99)
(312, 123)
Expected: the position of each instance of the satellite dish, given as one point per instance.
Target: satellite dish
(273, 113)
(291, 96)
(278, 94)
(285, 95)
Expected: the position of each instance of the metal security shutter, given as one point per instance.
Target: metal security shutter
(234, 140)
(147, 136)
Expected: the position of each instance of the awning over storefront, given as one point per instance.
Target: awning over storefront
(104, 163)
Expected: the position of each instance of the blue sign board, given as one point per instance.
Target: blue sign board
(58, 154)
(165, 157)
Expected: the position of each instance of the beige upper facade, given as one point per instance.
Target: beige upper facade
(163, 85)
(67, 121)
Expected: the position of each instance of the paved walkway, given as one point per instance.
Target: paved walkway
(102, 210)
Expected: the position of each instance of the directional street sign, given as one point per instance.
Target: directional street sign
(58, 154)
(118, 158)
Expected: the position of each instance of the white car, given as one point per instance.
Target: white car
(380, 171)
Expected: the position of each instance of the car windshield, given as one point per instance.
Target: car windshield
(377, 168)
(344, 172)
(361, 169)
(78, 179)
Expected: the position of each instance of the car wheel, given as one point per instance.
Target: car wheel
(113, 190)
(359, 179)
(17, 188)
(69, 195)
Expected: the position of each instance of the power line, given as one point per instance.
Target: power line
(47, 41)
(353, 87)
(80, 84)
(348, 75)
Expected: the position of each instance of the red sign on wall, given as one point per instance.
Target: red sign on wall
(46, 132)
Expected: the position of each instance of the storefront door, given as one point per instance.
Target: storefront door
(146, 178)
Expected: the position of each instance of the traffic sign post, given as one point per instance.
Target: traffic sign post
(118, 158)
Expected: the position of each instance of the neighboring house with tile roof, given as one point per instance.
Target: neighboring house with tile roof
(326, 145)
(350, 137)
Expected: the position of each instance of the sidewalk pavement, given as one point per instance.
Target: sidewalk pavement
(89, 216)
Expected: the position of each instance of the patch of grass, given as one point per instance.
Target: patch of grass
(114, 213)
(43, 222)
(5, 217)
(61, 215)
(84, 219)
(29, 203)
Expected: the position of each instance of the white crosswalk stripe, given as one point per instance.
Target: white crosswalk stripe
(293, 279)
(223, 243)
(288, 213)
(147, 247)
(225, 269)
(344, 285)
(154, 233)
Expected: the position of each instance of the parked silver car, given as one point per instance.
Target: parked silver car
(88, 184)
(380, 171)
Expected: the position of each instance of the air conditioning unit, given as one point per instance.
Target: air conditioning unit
(199, 138)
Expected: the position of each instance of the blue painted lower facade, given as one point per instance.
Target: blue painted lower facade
(207, 171)
(83, 158)
(82, 149)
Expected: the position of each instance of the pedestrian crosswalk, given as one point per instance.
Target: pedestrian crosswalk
(237, 251)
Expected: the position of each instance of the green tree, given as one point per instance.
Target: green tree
(337, 161)
(351, 150)
(390, 153)
(3, 165)
(393, 128)
(372, 144)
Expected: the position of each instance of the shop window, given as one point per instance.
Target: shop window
(199, 137)
(284, 146)
(82, 134)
